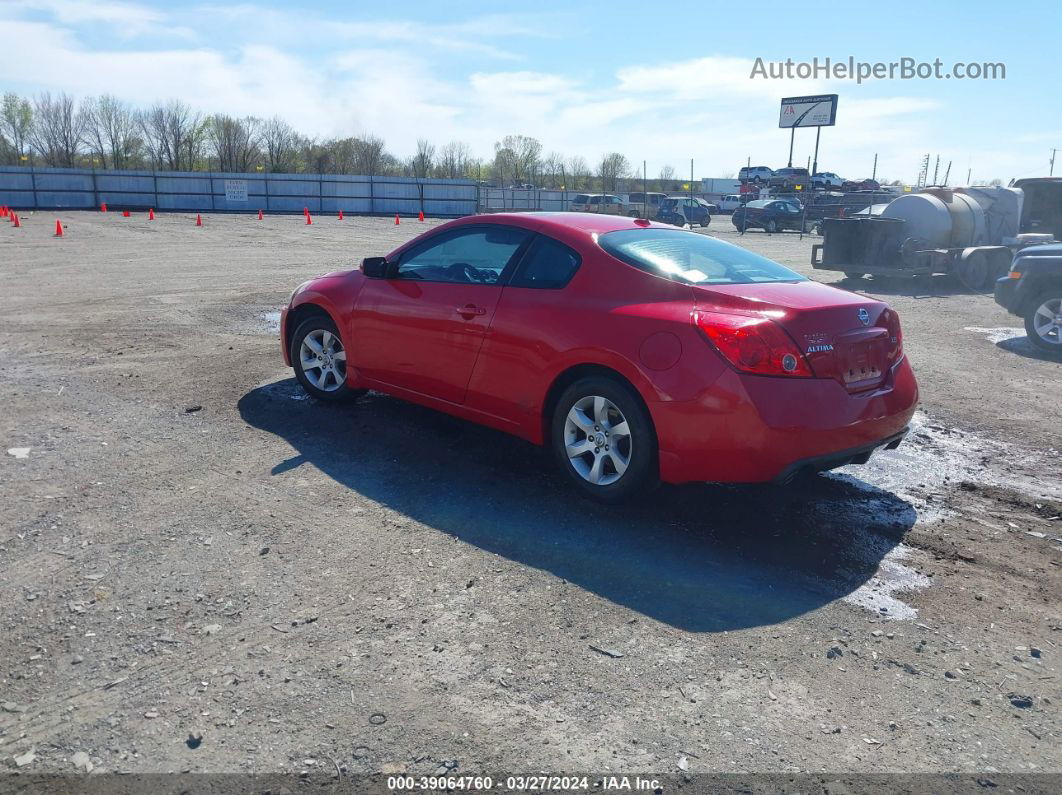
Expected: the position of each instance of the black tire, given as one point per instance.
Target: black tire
(1030, 328)
(642, 472)
(707, 220)
(337, 394)
(770, 227)
(852, 275)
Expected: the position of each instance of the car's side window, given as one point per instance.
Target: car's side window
(474, 256)
(548, 264)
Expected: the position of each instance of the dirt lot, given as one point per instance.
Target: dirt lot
(191, 549)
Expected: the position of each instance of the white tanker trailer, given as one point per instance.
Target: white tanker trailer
(971, 232)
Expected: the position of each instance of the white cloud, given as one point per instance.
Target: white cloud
(125, 19)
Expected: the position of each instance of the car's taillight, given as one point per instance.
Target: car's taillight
(753, 344)
(891, 321)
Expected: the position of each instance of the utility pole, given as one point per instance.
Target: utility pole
(936, 170)
(1052, 173)
(815, 167)
(645, 187)
(969, 171)
(874, 173)
(947, 173)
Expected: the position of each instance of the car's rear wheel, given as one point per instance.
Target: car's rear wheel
(603, 439)
(707, 220)
(320, 360)
(1043, 323)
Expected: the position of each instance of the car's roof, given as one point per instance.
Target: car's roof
(546, 221)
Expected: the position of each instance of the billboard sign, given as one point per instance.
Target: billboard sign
(816, 111)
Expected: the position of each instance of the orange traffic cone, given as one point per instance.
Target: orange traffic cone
(151, 213)
(421, 216)
(198, 219)
(58, 228)
(259, 215)
(309, 220)
(103, 207)
(3, 211)
(125, 213)
(17, 223)
(397, 222)
(305, 210)
(340, 215)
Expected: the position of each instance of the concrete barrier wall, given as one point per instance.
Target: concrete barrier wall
(198, 191)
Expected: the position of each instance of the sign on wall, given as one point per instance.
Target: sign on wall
(236, 190)
(816, 111)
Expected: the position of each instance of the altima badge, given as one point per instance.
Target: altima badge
(820, 348)
(864, 316)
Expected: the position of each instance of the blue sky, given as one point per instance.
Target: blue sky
(656, 81)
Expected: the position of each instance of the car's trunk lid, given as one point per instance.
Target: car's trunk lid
(845, 336)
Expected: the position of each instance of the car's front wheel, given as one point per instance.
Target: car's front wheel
(603, 439)
(1043, 323)
(320, 360)
(771, 226)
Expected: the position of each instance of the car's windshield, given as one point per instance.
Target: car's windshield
(691, 258)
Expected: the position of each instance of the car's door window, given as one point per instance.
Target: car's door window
(547, 265)
(474, 256)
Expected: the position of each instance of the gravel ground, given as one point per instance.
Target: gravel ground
(201, 569)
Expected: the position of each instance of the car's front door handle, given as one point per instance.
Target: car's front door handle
(470, 310)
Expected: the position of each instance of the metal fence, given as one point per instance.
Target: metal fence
(199, 191)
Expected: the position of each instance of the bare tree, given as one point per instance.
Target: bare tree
(371, 156)
(174, 135)
(16, 123)
(579, 172)
(517, 156)
(423, 159)
(57, 129)
(553, 168)
(233, 142)
(343, 155)
(613, 167)
(667, 177)
(111, 132)
(453, 160)
(279, 144)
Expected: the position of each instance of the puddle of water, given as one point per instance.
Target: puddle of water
(271, 321)
(998, 334)
(931, 458)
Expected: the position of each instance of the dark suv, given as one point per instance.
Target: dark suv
(790, 179)
(681, 210)
(1033, 291)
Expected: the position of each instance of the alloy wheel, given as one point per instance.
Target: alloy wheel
(323, 360)
(597, 440)
(1047, 321)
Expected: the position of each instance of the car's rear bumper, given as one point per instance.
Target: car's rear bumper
(752, 429)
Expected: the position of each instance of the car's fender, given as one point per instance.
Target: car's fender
(335, 293)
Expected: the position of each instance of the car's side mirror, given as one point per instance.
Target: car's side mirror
(375, 267)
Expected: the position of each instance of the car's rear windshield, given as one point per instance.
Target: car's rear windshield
(691, 258)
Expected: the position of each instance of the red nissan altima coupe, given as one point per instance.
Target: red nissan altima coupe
(637, 351)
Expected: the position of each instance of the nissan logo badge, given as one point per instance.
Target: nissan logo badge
(864, 317)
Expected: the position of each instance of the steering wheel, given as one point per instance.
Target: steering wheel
(464, 269)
